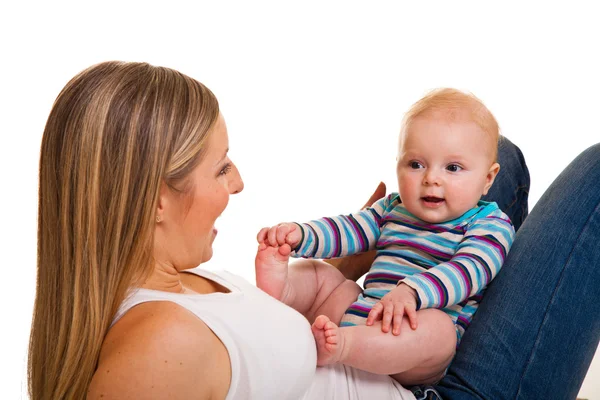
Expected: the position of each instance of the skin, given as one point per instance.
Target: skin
(445, 164)
(159, 349)
(444, 167)
(446, 161)
(322, 294)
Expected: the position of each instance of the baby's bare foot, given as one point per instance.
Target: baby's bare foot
(330, 341)
(271, 265)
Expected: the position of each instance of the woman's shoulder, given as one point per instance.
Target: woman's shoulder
(159, 346)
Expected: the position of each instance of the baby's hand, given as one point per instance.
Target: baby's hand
(393, 306)
(278, 235)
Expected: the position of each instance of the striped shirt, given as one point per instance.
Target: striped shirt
(448, 264)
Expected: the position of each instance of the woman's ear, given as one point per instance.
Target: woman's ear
(490, 177)
(163, 201)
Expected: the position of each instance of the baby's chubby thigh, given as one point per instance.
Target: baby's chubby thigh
(432, 345)
(334, 297)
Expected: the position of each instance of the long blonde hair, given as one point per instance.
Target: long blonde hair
(115, 133)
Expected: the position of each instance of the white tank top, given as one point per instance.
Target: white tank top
(270, 345)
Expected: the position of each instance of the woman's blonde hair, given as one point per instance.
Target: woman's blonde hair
(456, 105)
(116, 132)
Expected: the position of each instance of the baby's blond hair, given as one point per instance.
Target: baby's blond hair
(456, 105)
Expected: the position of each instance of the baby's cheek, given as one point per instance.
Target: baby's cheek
(465, 200)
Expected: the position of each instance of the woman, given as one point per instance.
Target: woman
(133, 173)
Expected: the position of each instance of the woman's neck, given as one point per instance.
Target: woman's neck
(165, 278)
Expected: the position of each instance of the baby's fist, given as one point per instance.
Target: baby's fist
(278, 235)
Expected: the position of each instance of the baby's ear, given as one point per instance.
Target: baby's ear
(490, 177)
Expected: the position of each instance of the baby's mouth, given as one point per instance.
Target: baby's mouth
(432, 199)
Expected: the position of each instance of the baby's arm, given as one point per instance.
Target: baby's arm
(343, 235)
(477, 260)
(312, 287)
(398, 302)
(355, 266)
(330, 237)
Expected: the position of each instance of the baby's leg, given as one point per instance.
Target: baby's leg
(271, 267)
(311, 287)
(414, 357)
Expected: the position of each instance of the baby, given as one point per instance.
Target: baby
(438, 247)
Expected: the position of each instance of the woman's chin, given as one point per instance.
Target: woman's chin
(207, 256)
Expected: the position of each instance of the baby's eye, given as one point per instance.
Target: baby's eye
(453, 167)
(415, 165)
(225, 170)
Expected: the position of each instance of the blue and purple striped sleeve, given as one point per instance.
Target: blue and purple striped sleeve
(477, 260)
(343, 235)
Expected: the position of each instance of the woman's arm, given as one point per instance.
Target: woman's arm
(160, 350)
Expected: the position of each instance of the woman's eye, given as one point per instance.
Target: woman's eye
(225, 170)
(415, 165)
(453, 167)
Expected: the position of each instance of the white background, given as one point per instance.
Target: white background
(313, 93)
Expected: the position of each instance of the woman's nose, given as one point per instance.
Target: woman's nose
(237, 184)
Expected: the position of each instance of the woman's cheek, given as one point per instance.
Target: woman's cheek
(223, 199)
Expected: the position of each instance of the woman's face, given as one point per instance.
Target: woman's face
(185, 234)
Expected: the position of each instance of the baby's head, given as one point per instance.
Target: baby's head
(447, 155)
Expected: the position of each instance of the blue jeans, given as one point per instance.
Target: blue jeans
(538, 325)
(511, 187)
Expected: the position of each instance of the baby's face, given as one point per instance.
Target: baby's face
(444, 167)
